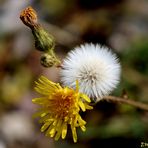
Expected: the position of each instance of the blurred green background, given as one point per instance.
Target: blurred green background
(120, 24)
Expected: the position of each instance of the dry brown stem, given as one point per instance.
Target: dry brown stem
(134, 103)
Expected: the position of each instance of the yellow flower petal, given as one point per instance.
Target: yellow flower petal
(85, 97)
(81, 104)
(77, 86)
(40, 101)
(74, 133)
(49, 129)
(45, 126)
(88, 106)
(58, 134)
(52, 132)
(64, 130)
(83, 128)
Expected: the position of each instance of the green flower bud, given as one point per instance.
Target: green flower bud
(43, 41)
(49, 60)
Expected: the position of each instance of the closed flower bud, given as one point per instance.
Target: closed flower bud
(29, 17)
(47, 60)
(43, 41)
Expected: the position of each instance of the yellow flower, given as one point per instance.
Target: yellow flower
(60, 107)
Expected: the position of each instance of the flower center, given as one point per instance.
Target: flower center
(63, 104)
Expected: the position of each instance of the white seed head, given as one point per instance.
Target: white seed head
(96, 68)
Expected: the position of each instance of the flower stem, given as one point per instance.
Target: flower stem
(137, 104)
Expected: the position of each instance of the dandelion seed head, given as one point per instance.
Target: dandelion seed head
(96, 68)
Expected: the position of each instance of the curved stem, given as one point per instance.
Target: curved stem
(137, 104)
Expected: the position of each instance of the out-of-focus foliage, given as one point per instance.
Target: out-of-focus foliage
(120, 24)
(137, 56)
(135, 68)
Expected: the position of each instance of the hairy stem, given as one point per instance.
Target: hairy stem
(137, 104)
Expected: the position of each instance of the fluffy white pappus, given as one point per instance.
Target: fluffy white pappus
(95, 67)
